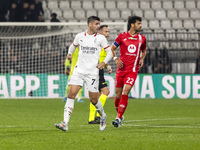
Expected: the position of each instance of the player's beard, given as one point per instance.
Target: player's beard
(138, 30)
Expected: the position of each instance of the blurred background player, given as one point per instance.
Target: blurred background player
(94, 117)
(131, 44)
(69, 68)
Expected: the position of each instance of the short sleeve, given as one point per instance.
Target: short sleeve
(104, 43)
(76, 40)
(117, 41)
(143, 47)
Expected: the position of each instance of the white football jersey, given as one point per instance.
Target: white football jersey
(89, 50)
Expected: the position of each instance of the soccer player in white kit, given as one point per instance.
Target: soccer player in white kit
(86, 70)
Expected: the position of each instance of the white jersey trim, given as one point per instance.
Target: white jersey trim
(140, 43)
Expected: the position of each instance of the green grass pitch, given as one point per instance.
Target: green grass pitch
(150, 124)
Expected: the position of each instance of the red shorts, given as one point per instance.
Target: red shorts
(125, 78)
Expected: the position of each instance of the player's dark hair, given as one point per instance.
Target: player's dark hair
(133, 19)
(92, 19)
(102, 26)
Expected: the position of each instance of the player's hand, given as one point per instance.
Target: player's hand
(109, 69)
(67, 71)
(119, 63)
(69, 56)
(101, 65)
(140, 63)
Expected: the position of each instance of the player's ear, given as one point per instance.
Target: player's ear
(89, 24)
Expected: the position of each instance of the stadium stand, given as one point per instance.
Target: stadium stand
(122, 5)
(190, 5)
(52, 5)
(167, 5)
(183, 14)
(99, 5)
(114, 14)
(194, 14)
(179, 4)
(198, 4)
(149, 14)
(165, 24)
(165, 21)
(91, 12)
(133, 5)
(87, 5)
(110, 5)
(172, 14)
(75, 5)
(155, 5)
(125, 13)
(64, 5)
(160, 14)
(145, 5)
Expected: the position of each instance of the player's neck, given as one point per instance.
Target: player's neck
(132, 32)
(89, 32)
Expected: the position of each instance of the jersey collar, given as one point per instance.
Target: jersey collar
(88, 34)
(132, 35)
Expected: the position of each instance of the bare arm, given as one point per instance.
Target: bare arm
(118, 62)
(142, 59)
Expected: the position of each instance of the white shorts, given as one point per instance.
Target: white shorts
(91, 81)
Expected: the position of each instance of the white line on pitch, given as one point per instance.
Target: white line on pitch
(21, 126)
(157, 119)
(131, 125)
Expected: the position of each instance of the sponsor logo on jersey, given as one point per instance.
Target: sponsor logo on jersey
(88, 50)
(131, 48)
(131, 38)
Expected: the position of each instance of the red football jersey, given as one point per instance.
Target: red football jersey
(130, 47)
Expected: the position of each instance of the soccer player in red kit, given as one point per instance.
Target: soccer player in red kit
(131, 45)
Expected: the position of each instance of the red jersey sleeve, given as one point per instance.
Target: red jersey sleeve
(118, 40)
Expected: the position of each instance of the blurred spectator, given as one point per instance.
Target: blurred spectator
(22, 63)
(166, 61)
(3, 56)
(156, 64)
(147, 62)
(197, 69)
(32, 16)
(13, 13)
(12, 61)
(40, 28)
(43, 57)
(161, 62)
(25, 11)
(54, 18)
(40, 18)
(4, 6)
(38, 8)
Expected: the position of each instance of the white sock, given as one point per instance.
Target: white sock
(69, 106)
(99, 108)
